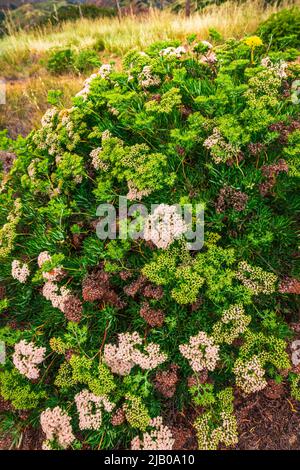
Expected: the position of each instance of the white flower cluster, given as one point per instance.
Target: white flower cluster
(250, 375)
(164, 226)
(146, 79)
(103, 72)
(233, 323)
(279, 68)
(97, 163)
(173, 52)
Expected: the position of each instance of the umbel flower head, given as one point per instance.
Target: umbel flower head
(253, 41)
(89, 407)
(123, 357)
(56, 424)
(233, 323)
(201, 352)
(256, 279)
(159, 438)
(19, 271)
(164, 226)
(250, 375)
(26, 358)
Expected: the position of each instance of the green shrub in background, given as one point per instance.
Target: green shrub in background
(86, 59)
(60, 60)
(282, 29)
(69, 59)
(99, 44)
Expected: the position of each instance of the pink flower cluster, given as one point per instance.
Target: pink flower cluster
(160, 438)
(279, 69)
(164, 226)
(19, 271)
(270, 172)
(89, 407)
(289, 286)
(201, 352)
(57, 295)
(55, 274)
(135, 194)
(56, 424)
(210, 58)
(26, 357)
(123, 357)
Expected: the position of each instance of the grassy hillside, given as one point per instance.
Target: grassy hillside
(23, 55)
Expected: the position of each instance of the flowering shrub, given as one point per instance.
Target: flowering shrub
(105, 337)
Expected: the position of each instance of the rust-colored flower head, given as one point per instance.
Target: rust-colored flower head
(118, 417)
(72, 308)
(165, 381)
(153, 317)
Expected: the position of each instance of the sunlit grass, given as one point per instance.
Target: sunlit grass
(230, 19)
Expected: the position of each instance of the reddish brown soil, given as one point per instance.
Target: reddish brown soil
(268, 420)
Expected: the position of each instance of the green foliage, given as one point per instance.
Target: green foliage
(19, 391)
(87, 59)
(60, 60)
(136, 412)
(170, 128)
(295, 391)
(282, 29)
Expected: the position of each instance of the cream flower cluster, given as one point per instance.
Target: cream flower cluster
(173, 52)
(226, 432)
(219, 148)
(47, 118)
(233, 323)
(164, 226)
(250, 375)
(201, 352)
(97, 163)
(56, 424)
(26, 357)
(256, 279)
(19, 271)
(125, 355)
(146, 79)
(89, 407)
(103, 72)
(160, 438)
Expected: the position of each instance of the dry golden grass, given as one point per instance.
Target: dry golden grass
(230, 19)
(26, 101)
